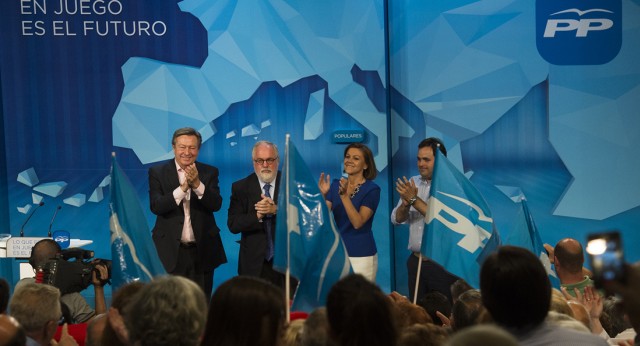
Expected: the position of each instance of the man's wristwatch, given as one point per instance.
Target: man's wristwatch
(413, 200)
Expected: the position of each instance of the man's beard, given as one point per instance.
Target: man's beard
(267, 177)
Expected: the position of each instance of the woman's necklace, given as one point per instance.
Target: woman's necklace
(356, 190)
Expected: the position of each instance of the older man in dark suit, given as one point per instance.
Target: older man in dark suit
(252, 212)
(184, 194)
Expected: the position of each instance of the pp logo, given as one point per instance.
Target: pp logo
(579, 32)
(63, 238)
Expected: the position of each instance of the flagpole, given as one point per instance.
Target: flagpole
(287, 275)
(415, 292)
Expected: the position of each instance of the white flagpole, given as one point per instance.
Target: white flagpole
(415, 292)
(287, 275)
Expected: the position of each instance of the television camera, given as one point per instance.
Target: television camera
(71, 270)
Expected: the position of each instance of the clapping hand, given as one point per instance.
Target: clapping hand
(192, 177)
(265, 206)
(407, 189)
(324, 183)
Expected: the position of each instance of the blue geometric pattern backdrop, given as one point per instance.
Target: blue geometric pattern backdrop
(519, 112)
(124, 77)
(79, 82)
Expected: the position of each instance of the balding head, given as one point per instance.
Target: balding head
(43, 251)
(569, 256)
(11, 333)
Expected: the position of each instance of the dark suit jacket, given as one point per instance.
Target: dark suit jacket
(163, 179)
(242, 219)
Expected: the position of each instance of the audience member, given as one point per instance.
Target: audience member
(76, 308)
(408, 313)
(5, 291)
(37, 308)
(353, 202)
(580, 313)
(466, 310)
(434, 302)
(630, 292)
(65, 338)
(77, 331)
(559, 303)
(482, 335)
(485, 317)
(517, 293)
(360, 314)
(613, 318)
(169, 310)
(591, 300)
(423, 335)
(95, 330)
(549, 249)
(568, 261)
(245, 311)
(293, 334)
(566, 321)
(457, 288)
(316, 329)
(115, 332)
(11, 332)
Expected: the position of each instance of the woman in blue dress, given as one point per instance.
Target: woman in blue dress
(353, 201)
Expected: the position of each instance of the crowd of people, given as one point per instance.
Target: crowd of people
(515, 305)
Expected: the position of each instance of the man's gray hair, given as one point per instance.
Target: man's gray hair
(267, 143)
(34, 305)
(170, 310)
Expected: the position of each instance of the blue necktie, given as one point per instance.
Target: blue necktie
(267, 226)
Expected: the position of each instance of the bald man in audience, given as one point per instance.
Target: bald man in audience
(11, 333)
(568, 258)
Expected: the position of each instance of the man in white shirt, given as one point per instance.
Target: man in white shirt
(411, 209)
(184, 194)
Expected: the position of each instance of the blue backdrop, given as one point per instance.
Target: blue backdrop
(82, 79)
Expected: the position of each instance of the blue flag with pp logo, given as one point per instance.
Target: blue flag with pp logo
(459, 230)
(307, 239)
(133, 253)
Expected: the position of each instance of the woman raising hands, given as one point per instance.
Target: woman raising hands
(353, 201)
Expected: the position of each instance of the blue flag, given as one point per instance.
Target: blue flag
(307, 239)
(525, 234)
(132, 250)
(459, 231)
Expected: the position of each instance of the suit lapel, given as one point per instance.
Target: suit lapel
(172, 174)
(254, 188)
(277, 188)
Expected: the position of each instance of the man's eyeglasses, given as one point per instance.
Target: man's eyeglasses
(261, 162)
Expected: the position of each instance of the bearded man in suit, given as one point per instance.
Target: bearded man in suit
(252, 211)
(184, 194)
